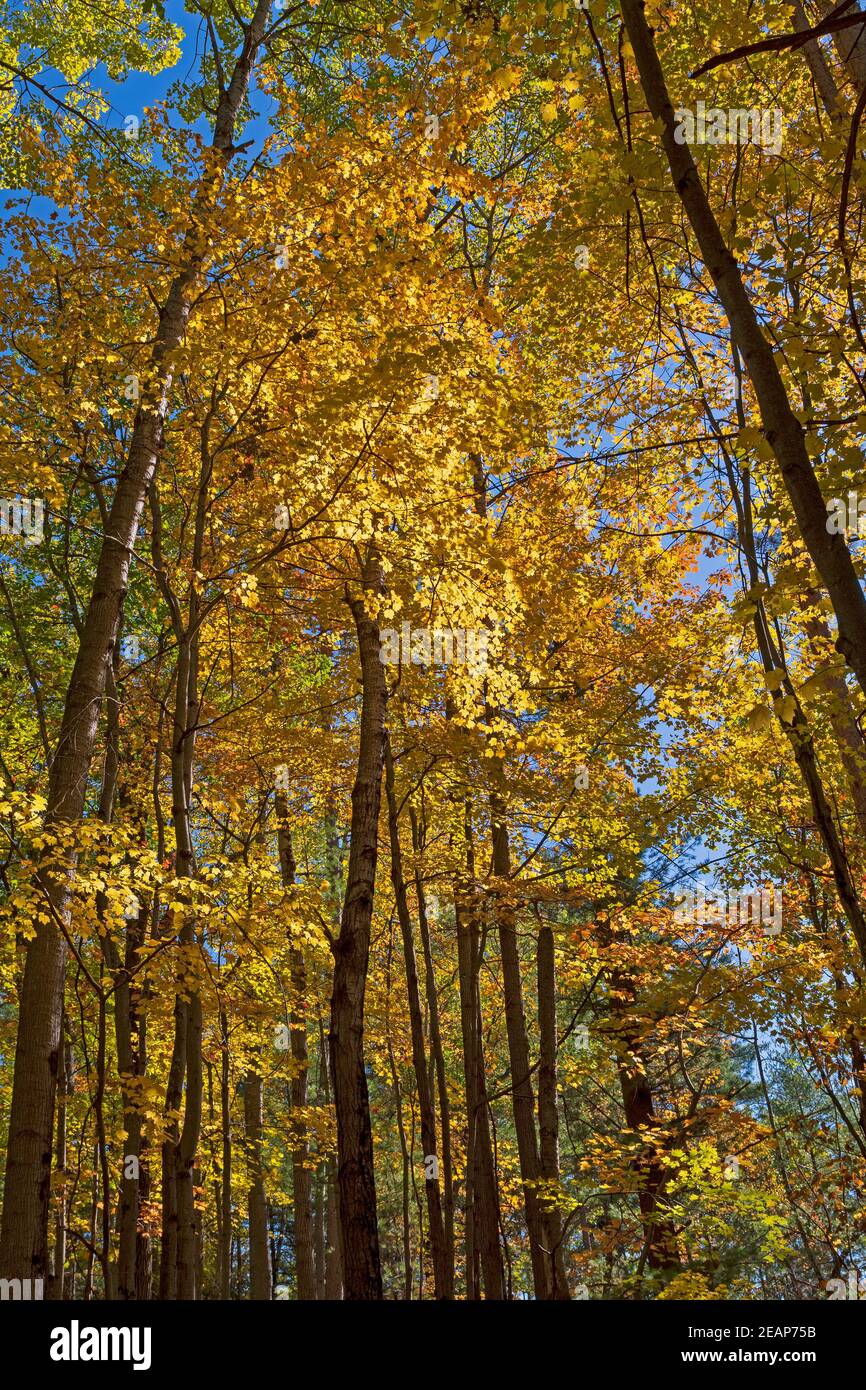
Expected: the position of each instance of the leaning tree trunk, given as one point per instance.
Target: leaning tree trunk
(359, 1235)
(24, 1232)
(782, 429)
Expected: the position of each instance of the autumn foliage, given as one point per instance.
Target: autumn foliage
(432, 650)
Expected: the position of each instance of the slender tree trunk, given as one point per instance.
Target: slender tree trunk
(127, 1035)
(548, 1114)
(359, 1235)
(143, 1244)
(796, 726)
(56, 1286)
(523, 1101)
(441, 1086)
(482, 1200)
(187, 1220)
(302, 1177)
(333, 1254)
(406, 1175)
(852, 749)
(225, 1253)
(173, 1097)
(319, 1203)
(91, 1229)
(189, 1018)
(419, 1050)
(321, 1177)
(331, 1269)
(794, 723)
(261, 1282)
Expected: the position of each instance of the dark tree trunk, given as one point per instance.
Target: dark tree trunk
(359, 1235)
(419, 1050)
(173, 1097)
(523, 1101)
(302, 1178)
(225, 1252)
(482, 1222)
(548, 1115)
(128, 1026)
(438, 1061)
(56, 1286)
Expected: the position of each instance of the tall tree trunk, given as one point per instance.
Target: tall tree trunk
(56, 1287)
(143, 1243)
(302, 1178)
(482, 1222)
(795, 724)
(359, 1235)
(522, 1099)
(187, 1219)
(189, 1017)
(173, 1098)
(261, 1282)
(225, 1252)
(548, 1115)
(333, 1253)
(127, 1034)
(321, 1182)
(438, 1059)
(331, 1276)
(419, 1050)
(846, 730)
(319, 1203)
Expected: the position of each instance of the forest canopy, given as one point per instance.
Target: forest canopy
(433, 650)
